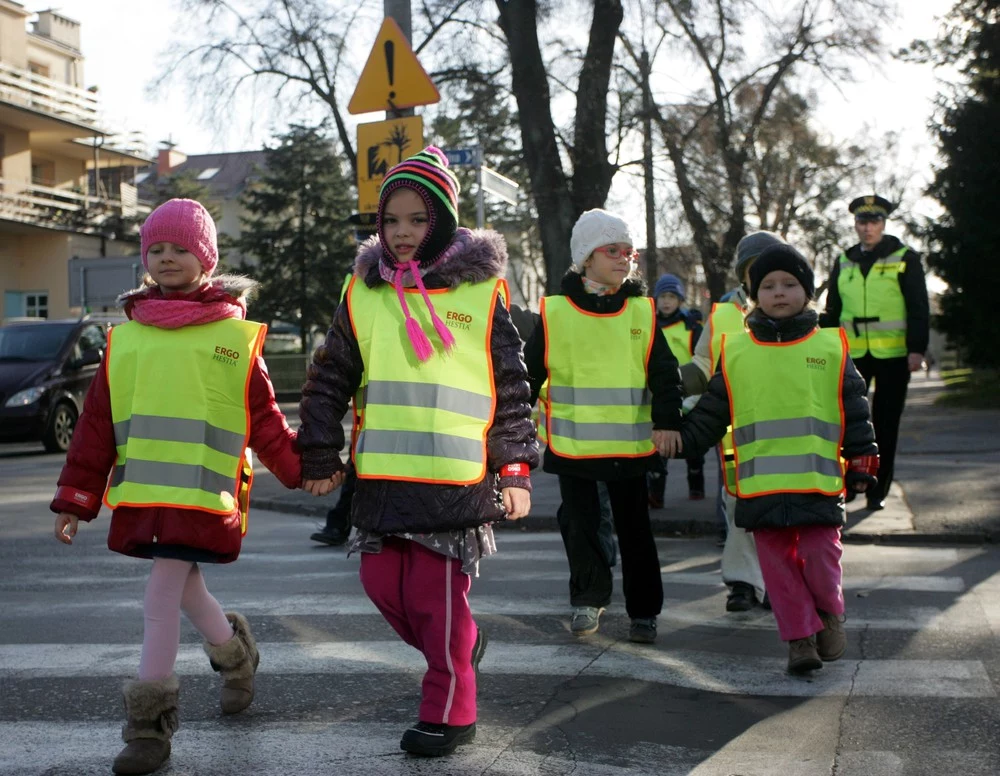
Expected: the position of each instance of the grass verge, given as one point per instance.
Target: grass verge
(971, 388)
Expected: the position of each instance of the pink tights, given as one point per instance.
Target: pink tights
(176, 585)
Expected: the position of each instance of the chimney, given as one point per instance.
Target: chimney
(168, 159)
(55, 26)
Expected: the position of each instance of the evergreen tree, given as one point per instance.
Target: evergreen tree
(297, 230)
(965, 241)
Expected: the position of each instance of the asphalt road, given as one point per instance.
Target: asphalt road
(915, 695)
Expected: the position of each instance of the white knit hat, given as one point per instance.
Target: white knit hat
(592, 230)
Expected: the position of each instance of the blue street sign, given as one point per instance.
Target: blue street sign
(461, 157)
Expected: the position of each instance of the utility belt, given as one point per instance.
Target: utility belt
(857, 321)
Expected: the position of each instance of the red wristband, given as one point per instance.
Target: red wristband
(864, 464)
(515, 470)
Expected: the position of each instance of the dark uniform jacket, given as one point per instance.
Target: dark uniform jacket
(706, 424)
(911, 281)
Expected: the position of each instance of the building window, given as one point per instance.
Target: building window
(36, 304)
(204, 175)
(39, 69)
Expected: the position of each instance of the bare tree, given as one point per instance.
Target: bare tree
(738, 96)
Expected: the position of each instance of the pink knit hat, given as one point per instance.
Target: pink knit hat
(186, 223)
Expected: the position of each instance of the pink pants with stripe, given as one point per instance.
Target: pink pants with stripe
(802, 573)
(424, 596)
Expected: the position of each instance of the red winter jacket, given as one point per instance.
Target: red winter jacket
(190, 534)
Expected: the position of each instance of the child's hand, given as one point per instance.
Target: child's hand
(667, 443)
(516, 502)
(323, 487)
(66, 525)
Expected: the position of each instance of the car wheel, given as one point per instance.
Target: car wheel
(60, 429)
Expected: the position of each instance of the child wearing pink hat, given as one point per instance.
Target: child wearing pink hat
(181, 395)
(443, 439)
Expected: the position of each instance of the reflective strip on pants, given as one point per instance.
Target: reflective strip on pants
(423, 443)
(786, 428)
(164, 429)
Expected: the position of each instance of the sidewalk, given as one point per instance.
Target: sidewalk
(946, 489)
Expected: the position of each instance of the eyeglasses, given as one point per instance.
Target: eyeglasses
(615, 252)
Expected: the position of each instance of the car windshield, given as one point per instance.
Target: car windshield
(33, 342)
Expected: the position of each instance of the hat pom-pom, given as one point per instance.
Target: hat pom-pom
(421, 345)
(438, 153)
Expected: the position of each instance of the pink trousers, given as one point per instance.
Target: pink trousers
(424, 596)
(801, 569)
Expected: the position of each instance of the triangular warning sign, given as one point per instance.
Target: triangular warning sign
(392, 78)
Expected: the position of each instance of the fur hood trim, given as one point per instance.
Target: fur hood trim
(239, 287)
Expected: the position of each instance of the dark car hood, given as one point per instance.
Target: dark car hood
(18, 375)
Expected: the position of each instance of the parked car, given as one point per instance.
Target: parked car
(46, 367)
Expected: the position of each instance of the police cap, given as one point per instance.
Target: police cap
(870, 207)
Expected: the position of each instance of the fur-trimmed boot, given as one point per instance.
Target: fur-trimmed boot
(151, 719)
(237, 661)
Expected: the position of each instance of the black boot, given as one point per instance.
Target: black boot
(435, 740)
(742, 598)
(657, 484)
(696, 483)
(338, 520)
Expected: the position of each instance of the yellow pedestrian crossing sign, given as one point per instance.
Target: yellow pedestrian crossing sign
(392, 78)
(381, 145)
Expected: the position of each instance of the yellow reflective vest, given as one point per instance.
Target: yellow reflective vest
(726, 318)
(598, 402)
(788, 412)
(424, 421)
(179, 402)
(874, 308)
(680, 340)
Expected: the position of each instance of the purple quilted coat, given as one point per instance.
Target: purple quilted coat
(388, 506)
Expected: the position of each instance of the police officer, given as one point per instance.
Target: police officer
(877, 292)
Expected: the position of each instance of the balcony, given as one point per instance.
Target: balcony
(71, 211)
(43, 95)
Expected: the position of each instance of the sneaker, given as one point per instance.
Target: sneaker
(802, 656)
(586, 620)
(478, 650)
(831, 642)
(642, 630)
(741, 598)
(433, 740)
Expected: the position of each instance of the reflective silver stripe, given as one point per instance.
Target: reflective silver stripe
(166, 429)
(885, 325)
(174, 475)
(601, 432)
(443, 397)
(785, 428)
(807, 463)
(595, 397)
(419, 443)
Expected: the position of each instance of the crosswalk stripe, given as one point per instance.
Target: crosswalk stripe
(694, 669)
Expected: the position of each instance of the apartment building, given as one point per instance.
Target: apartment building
(67, 183)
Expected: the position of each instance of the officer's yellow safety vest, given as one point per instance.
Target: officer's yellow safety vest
(424, 421)
(874, 308)
(725, 318)
(788, 414)
(679, 338)
(181, 414)
(598, 400)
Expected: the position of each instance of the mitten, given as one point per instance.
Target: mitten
(861, 471)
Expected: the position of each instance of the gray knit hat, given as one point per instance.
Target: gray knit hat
(750, 247)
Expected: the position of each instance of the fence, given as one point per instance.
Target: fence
(288, 372)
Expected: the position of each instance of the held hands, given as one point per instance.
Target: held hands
(323, 487)
(915, 361)
(66, 525)
(667, 443)
(861, 473)
(516, 502)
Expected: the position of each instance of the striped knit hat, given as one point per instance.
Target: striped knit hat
(428, 175)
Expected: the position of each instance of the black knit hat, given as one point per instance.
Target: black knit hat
(787, 259)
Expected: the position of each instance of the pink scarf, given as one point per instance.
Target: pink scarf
(204, 305)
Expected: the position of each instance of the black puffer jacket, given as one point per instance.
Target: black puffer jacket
(706, 424)
(335, 374)
(662, 377)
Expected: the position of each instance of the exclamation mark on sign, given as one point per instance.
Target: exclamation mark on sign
(390, 50)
